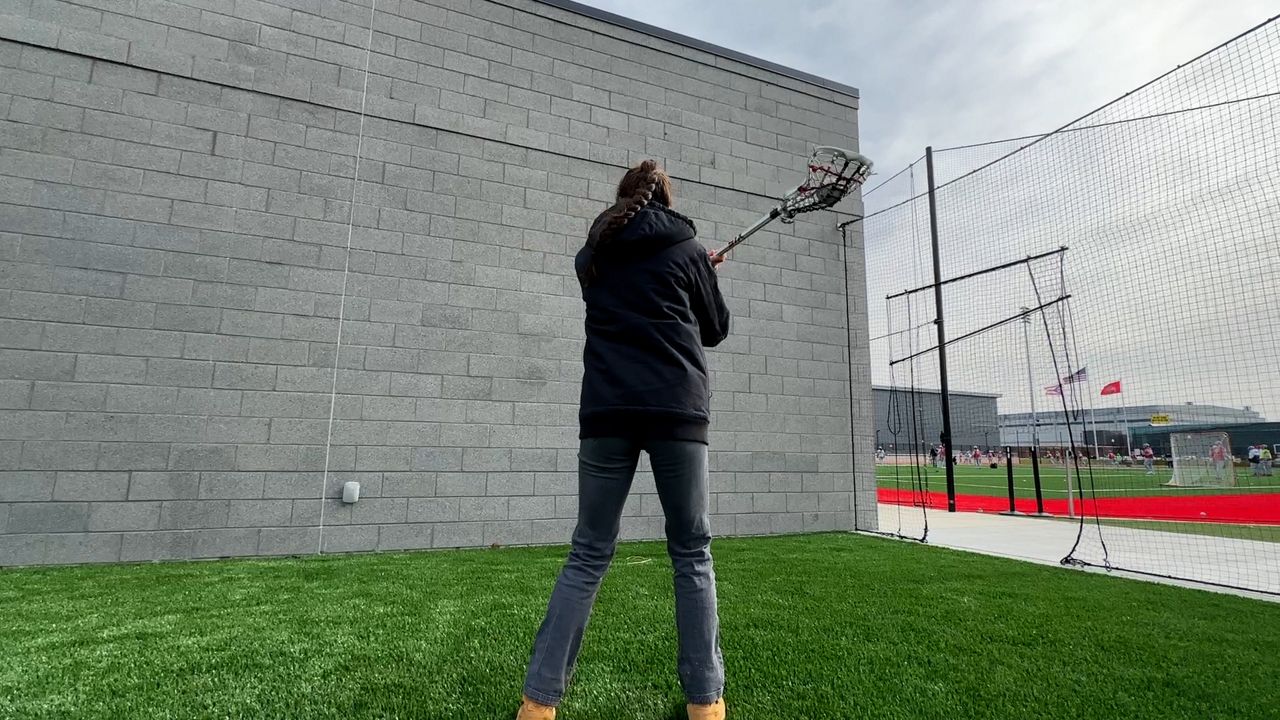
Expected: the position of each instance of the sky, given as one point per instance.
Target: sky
(952, 72)
(1165, 295)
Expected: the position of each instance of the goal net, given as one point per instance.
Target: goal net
(1201, 459)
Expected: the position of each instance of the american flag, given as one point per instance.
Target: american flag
(1078, 376)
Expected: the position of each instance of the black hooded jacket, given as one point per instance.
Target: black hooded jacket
(652, 306)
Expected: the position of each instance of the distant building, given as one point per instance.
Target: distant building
(974, 419)
(1240, 436)
(1109, 423)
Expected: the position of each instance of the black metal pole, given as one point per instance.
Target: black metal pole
(1008, 466)
(945, 394)
(1035, 472)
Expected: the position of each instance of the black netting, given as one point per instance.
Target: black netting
(1153, 222)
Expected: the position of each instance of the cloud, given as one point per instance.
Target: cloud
(1169, 222)
(948, 73)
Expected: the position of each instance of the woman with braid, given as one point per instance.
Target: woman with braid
(652, 306)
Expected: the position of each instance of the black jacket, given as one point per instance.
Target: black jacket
(652, 305)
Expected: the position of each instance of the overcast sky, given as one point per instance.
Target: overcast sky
(1165, 292)
(951, 72)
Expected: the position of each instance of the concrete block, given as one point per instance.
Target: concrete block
(180, 373)
(119, 313)
(51, 517)
(82, 486)
(75, 548)
(28, 365)
(405, 536)
(48, 455)
(17, 550)
(350, 538)
(16, 487)
(512, 532)
(164, 486)
(373, 511)
(532, 508)
(412, 484)
(241, 376)
(152, 546)
(202, 457)
(194, 401)
(93, 45)
(481, 509)
(15, 394)
(231, 485)
(260, 513)
(267, 457)
(225, 543)
(288, 541)
(123, 516)
(133, 456)
(65, 396)
(551, 532)
(463, 534)
(109, 369)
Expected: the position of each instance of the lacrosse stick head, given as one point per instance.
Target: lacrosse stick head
(833, 174)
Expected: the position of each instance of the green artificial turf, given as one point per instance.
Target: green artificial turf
(1103, 480)
(818, 626)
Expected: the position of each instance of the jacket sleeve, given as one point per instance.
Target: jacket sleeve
(708, 304)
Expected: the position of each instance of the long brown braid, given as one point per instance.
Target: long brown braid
(641, 185)
(636, 189)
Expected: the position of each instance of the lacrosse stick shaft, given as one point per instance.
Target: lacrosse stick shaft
(773, 215)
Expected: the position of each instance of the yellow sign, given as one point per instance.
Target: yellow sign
(1160, 420)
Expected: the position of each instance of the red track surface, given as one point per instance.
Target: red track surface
(1255, 509)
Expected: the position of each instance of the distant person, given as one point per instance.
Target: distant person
(1111, 455)
(933, 456)
(1264, 460)
(1218, 454)
(1149, 459)
(1255, 460)
(880, 454)
(976, 455)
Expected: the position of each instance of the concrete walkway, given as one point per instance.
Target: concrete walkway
(1225, 561)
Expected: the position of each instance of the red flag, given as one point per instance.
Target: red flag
(1111, 388)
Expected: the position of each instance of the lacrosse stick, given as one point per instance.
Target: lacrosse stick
(833, 174)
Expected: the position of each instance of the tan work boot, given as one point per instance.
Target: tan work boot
(530, 710)
(714, 711)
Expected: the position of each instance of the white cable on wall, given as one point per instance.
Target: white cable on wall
(346, 271)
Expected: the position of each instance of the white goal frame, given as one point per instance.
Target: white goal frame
(1193, 465)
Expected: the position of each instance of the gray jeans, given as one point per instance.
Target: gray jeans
(606, 467)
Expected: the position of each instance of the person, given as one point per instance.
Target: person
(1111, 456)
(880, 453)
(1149, 459)
(976, 456)
(1218, 454)
(933, 455)
(1255, 460)
(1264, 460)
(652, 305)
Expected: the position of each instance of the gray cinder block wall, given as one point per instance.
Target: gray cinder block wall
(199, 338)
